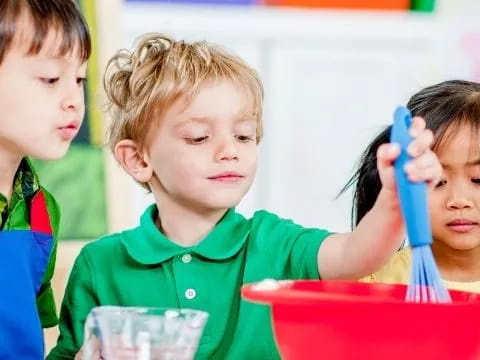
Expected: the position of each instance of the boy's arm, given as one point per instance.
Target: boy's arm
(363, 251)
(79, 299)
(381, 232)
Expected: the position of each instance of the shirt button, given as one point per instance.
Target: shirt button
(190, 294)
(186, 258)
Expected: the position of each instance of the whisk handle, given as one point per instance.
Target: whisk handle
(412, 195)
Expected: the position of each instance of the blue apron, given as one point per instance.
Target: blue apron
(24, 258)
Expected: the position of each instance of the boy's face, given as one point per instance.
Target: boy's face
(41, 100)
(455, 201)
(204, 155)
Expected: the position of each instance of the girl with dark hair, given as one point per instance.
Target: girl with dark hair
(451, 110)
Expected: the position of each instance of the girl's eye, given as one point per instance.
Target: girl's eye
(49, 81)
(197, 140)
(81, 80)
(244, 138)
(476, 180)
(440, 183)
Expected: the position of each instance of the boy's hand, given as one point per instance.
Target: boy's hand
(423, 167)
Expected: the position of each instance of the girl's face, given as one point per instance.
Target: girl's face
(454, 202)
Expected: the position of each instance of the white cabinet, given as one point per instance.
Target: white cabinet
(325, 102)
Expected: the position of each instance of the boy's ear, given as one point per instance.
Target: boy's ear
(129, 155)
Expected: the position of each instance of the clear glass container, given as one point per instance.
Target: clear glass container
(136, 333)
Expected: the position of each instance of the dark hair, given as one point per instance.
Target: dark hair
(63, 16)
(445, 107)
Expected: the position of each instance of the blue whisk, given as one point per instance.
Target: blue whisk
(425, 282)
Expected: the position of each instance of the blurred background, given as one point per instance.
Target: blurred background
(333, 70)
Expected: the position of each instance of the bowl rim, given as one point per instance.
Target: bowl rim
(291, 292)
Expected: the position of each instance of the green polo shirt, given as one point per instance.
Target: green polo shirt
(15, 215)
(141, 267)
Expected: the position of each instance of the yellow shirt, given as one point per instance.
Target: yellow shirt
(397, 271)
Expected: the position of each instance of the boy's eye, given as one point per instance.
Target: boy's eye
(197, 140)
(476, 180)
(81, 80)
(244, 138)
(440, 183)
(49, 81)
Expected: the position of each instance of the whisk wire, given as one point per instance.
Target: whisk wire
(426, 284)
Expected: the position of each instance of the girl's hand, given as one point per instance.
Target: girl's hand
(424, 166)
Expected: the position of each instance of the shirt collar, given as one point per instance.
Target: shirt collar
(25, 184)
(147, 245)
(26, 180)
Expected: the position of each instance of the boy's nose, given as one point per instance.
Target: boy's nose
(73, 100)
(227, 151)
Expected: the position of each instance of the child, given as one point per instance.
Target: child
(452, 111)
(44, 45)
(187, 119)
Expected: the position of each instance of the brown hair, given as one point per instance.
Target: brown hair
(64, 16)
(142, 83)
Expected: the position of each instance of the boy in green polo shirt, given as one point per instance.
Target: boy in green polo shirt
(44, 45)
(186, 124)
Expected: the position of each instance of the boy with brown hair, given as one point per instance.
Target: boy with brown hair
(44, 46)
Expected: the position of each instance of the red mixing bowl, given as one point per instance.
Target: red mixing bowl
(341, 320)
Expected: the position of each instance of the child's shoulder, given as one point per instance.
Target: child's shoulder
(106, 247)
(266, 217)
(269, 223)
(265, 220)
(262, 216)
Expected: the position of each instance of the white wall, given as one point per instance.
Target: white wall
(332, 79)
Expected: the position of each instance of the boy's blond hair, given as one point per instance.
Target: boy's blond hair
(141, 84)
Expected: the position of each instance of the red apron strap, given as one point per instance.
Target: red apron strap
(39, 219)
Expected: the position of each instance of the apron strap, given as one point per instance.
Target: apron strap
(39, 218)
